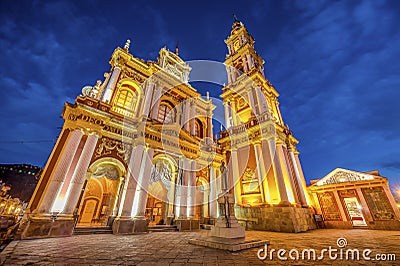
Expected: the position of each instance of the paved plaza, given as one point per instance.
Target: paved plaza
(172, 248)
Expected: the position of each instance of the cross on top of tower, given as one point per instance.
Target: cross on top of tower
(236, 23)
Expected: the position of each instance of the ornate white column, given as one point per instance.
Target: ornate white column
(226, 112)
(143, 184)
(171, 196)
(135, 164)
(303, 180)
(245, 64)
(185, 117)
(250, 61)
(290, 186)
(184, 189)
(217, 187)
(235, 117)
(123, 196)
(391, 199)
(147, 99)
(280, 180)
(192, 117)
(213, 193)
(61, 198)
(269, 183)
(209, 127)
(178, 190)
(262, 174)
(252, 102)
(205, 203)
(364, 205)
(262, 101)
(299, 181)
(61, 169)
(236, 177)
(231, 78)
(340, 205)
(79, 175)
(156, 102)
(138, 106)
(111, 85)
(120, 191)
(192, 190)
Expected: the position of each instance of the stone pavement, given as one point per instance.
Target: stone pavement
(172, 248)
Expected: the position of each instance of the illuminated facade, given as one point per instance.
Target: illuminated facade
(139, 147)
(349, 199)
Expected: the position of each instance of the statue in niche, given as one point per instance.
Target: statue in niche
(108, 171)
(224, 177)
(162, 172)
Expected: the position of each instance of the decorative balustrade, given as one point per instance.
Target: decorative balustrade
(123, 111)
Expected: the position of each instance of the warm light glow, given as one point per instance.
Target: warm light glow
(59, 204)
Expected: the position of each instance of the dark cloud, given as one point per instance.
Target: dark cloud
(335, 65)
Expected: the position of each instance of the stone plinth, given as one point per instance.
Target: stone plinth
(227, 234)
(231, 244)
(227, 225)
(187, 224)
(129, 226)
(43, 226)
(235, 230)
(290, 219)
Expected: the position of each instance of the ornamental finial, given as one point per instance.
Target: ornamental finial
(127, 44)
(176, 48)
(235, 18)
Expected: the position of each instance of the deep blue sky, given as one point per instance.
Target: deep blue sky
(335, 64)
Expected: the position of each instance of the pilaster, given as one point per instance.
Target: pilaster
(79, 174)
(60, 172)
(111, 85)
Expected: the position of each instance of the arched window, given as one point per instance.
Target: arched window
(125, 99)
(198, 131)
(164, 113)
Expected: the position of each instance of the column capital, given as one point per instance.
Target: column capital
(257, 143)
(234, 149)
(157, 83)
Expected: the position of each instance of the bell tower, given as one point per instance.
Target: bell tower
(241, 53)
(260, 150)
(243, 64)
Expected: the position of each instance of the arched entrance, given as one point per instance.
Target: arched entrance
(160, 202)
(99, 198)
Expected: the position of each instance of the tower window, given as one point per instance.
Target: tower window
(164, 114)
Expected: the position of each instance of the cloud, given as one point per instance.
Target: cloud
(335, 67)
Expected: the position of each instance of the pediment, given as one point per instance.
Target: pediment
(339, 175)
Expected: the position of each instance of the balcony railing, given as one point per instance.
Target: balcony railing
(123, 111)
(253, 121)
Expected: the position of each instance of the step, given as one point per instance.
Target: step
(92, 230)
(163, 228)
(206, 226)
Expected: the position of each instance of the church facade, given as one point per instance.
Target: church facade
(351, 199)
(138, 148)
